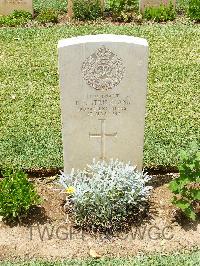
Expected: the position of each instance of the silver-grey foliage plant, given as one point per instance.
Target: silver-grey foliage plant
(105, 194)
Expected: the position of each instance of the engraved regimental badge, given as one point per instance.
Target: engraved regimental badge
(103, 70)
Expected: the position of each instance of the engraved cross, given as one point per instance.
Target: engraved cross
(102, 135)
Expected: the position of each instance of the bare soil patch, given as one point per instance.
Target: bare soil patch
(48, 234)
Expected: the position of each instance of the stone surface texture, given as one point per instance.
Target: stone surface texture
(103, 83)
(8, 6)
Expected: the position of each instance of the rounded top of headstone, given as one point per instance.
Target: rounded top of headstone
(102, 38)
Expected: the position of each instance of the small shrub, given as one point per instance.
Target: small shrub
(121, 9)
(47, 16)
(194, 10)
(105, 195)
(159, 14)
(187, 186)
(17, 18)
(2, 21)
(17, 195)
(87, 9)
(117, 7)
(21, 14)
(182, 6)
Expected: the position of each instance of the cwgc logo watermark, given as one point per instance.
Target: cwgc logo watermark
(66, 232)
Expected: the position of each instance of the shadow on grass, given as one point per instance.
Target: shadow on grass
(160, 180)
(186, 223)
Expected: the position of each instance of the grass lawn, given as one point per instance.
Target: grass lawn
(187, 259)
(30, 112)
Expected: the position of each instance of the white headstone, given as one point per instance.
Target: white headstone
(8, 6)
(103, 82)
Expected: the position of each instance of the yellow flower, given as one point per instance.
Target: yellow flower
(70, 190)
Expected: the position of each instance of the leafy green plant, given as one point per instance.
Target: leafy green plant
(159, 14)
(121, 9)
(17, 195)
(47, 16)
(87, 9)
(187, 186)
(17, 18)
(194, 10)
(182, 6)
(117, 7)
(105, 195)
